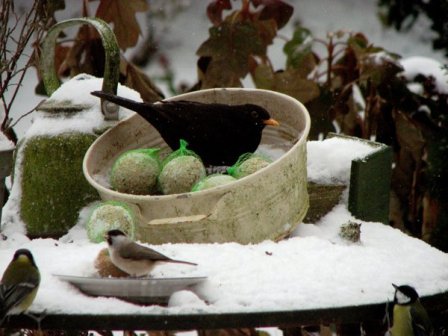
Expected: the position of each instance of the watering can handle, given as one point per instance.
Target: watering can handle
(111, 66)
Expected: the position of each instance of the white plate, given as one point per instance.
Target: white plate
(137, 290)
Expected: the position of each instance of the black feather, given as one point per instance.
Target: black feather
(218, 133)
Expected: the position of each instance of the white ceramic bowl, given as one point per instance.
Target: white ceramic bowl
(265, 205)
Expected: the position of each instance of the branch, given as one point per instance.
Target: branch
(24, 27)
(24, 115)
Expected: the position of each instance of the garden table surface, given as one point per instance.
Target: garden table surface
(368, 314)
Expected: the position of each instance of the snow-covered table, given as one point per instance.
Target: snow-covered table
(313, 277)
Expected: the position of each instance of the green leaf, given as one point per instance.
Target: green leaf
(298, 48)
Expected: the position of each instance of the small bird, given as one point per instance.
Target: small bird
(132, 258)
(19, 284)
(218, 133)
(409, 316)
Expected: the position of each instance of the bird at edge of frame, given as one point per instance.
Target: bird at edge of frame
(409, 317)
(218, 133)
(19, 285)
(135, 259)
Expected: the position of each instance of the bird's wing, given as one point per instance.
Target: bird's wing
(14, 294)
(421, 324)
(2, 303)
(138, 252)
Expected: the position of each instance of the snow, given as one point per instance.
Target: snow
(181, 36)
(314, 268)
(5, 143)
(329, 161)
(416, 65)
(301, 272)
(77, 91)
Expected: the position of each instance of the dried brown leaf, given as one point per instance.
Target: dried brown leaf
(289, 82)
(136, 79)
(215, 9)
(277, 10)
(231, 46)
(219, 74)
(122, 14)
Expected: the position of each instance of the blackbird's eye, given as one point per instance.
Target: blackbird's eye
(254, 114)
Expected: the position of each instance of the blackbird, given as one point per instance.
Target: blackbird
(218, 133)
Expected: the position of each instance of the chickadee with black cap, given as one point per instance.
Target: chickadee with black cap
(132, 258)
(409, 316)
(19, 284)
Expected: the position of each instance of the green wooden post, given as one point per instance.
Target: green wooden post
(370, 179)
(369, 191)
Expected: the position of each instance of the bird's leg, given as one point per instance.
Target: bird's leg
(37, 317)
(4, 320)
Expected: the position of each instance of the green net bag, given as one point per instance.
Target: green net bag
(136, 171)
(212, 181)
(247, 164)
(110, 215)
(181, 170)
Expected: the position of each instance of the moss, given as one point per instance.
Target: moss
(53, 185)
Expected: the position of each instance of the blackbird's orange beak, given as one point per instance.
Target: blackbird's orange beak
(271, 122)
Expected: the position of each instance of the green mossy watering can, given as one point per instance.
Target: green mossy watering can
(49, 160)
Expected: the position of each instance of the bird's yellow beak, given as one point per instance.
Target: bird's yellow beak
(271, 122)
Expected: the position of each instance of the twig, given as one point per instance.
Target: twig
(25, 114)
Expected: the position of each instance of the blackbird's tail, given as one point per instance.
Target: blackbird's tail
(140, 108)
